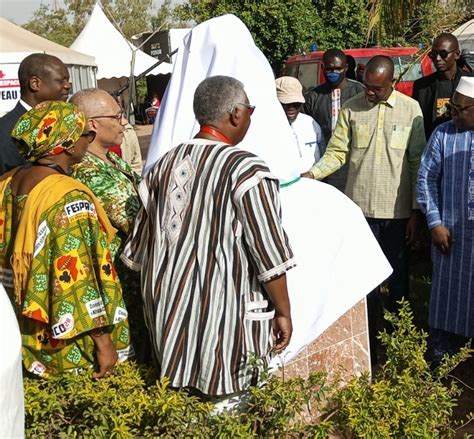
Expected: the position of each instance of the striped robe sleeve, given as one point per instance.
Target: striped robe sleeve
(429, 180)
(263, 233)
(136, 248)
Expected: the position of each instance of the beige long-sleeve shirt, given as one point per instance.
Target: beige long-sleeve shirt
(131, 149)
(383, 143)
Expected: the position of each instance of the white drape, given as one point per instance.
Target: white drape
(12, 415)
(339, 260)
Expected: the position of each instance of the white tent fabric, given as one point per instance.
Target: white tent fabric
(112, 52)
(12, 414)
(339, 260)
(17, 43)
(465, 35)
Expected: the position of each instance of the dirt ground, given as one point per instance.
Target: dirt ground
(144, 135)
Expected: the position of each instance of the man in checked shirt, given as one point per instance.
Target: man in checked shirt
(381, 135)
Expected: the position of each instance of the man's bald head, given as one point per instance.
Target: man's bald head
(378, 78)
(446, 38)
(43, 77)
(93, 101)
(380, 64)
(36, 64)
(103, 114)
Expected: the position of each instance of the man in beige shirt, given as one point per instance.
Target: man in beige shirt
(380, 133)
(130, 147)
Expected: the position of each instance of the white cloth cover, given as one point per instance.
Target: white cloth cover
(12, 413)
(210, 49)
(339, 260)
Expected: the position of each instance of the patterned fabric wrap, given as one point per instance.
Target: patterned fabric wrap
(50, 128)
(72, 288)
(115, 187)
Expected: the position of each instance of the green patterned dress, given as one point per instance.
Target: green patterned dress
(115, 186)
(72, 287)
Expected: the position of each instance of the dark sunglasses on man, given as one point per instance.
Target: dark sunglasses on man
(443, 53)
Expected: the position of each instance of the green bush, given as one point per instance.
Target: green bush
(405, 400)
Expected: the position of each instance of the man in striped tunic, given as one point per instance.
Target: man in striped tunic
(446, 196)
(212, 252)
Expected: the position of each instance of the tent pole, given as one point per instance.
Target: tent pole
(131, 91)
(141, 75)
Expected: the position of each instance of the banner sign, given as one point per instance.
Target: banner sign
(9, 87)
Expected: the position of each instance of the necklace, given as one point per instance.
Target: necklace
(213, 132)
(54, 166)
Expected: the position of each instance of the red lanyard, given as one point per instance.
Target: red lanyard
(213, 132)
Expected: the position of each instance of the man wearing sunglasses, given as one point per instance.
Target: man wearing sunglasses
(446, 196)
(433, 92)
(42, 78)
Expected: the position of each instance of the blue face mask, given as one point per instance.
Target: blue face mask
(333, 77)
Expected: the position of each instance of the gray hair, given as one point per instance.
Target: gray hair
(216, 96)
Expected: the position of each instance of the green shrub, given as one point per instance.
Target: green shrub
(405, 400)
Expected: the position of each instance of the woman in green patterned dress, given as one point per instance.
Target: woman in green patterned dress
(114, 183)
(55, 257)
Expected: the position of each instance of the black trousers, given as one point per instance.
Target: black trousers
(390, 234)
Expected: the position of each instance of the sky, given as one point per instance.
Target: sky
(20, 11)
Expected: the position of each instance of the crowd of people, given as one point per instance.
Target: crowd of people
(398, 178)
(186, 268)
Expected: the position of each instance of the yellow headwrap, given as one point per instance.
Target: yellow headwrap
(49, 128)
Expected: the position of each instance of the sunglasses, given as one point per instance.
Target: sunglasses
(112, 116)
(443, 53)
(90, 136)
(249, 107)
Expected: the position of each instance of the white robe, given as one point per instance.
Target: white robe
(339, 260)
(12, 414)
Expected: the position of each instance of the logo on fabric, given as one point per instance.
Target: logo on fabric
(79, 209)
(120, 314)
(37, 368)
(64, 326)
(41, 235)
(95, 308)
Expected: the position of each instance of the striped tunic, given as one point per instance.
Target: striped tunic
(446, 196)
(208, 236)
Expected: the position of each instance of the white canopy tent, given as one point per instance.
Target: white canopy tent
(112, 52)
(465, 35)
(17, 43)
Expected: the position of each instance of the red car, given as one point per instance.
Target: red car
(307, 67)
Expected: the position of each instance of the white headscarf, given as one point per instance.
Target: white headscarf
(224, 46)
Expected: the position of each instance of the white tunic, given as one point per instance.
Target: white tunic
(309, 141)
